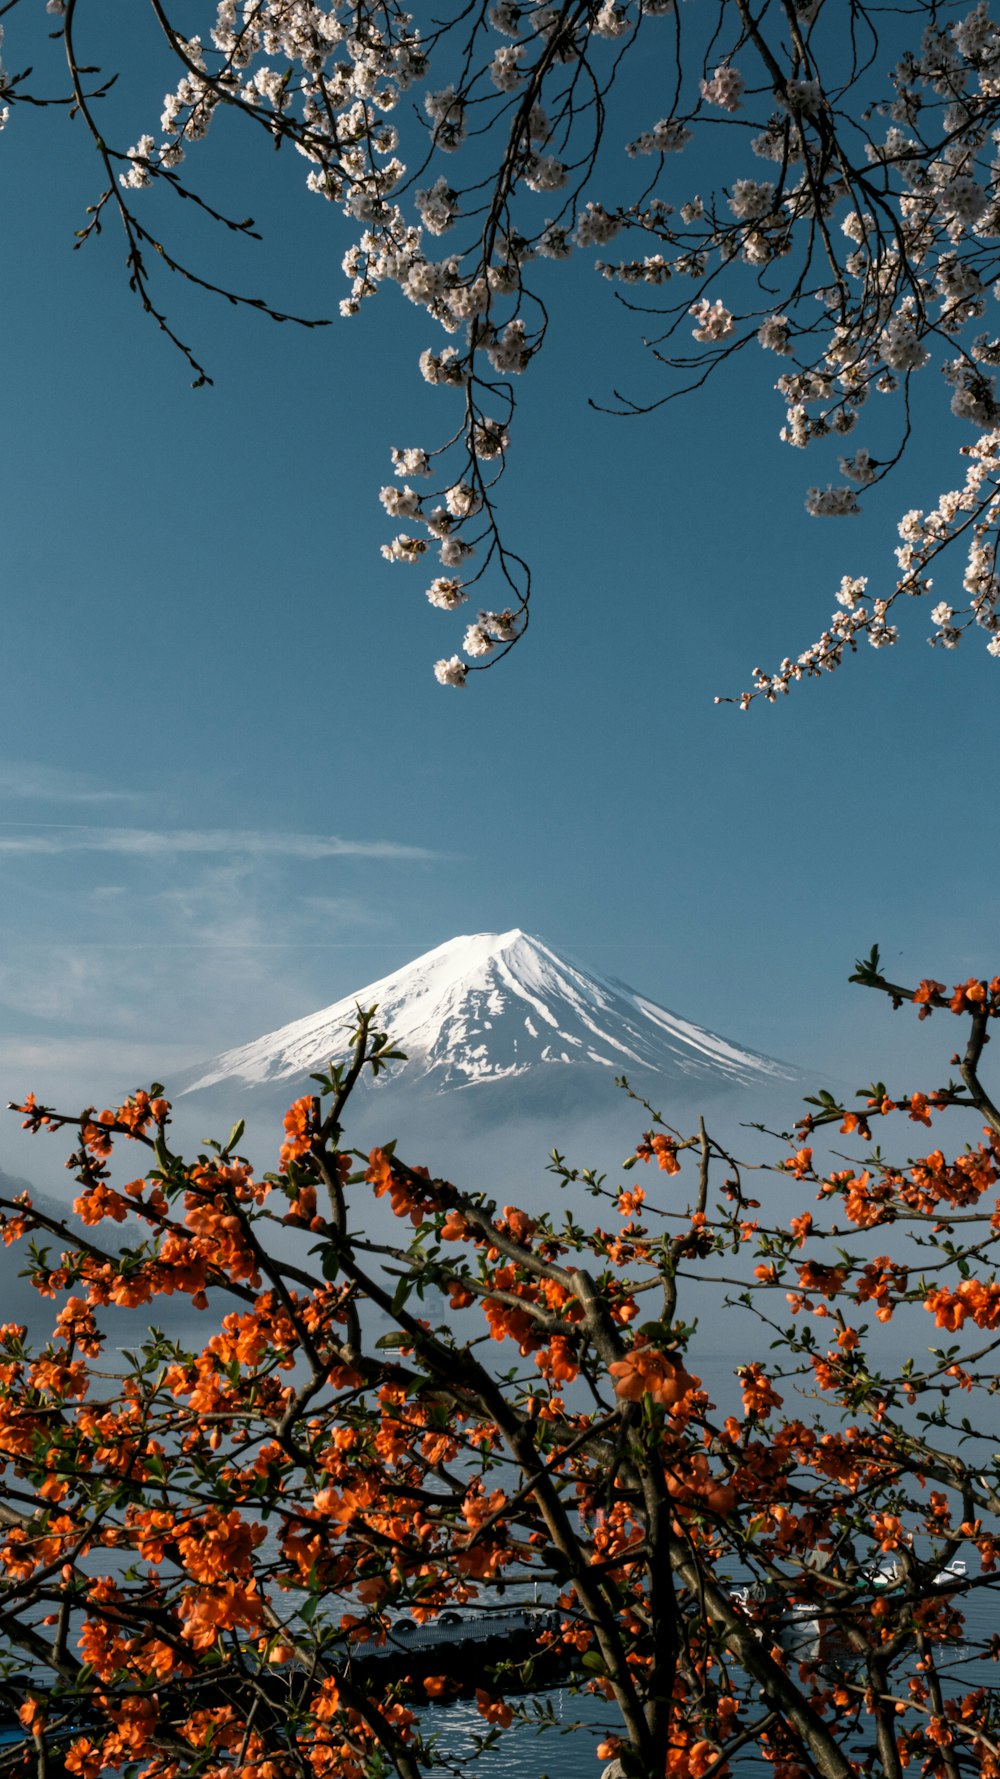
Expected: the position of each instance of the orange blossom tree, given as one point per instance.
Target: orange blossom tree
(208, 1553)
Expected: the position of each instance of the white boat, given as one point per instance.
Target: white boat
(891, 1573)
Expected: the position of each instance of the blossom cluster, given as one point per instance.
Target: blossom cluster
(857, 241)
(970, 514)
(210, 1553)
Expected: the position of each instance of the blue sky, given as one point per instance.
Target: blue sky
(230, 790)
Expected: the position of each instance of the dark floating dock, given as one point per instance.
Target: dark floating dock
(497, 1651)
(466, 1650)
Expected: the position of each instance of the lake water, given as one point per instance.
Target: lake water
(567, 1750)
(564, 1750)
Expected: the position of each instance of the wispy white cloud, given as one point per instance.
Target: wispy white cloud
(32, 782)
(28, 1064)
(210, 952)
(346, 911)
(144, 946)
(53, 838)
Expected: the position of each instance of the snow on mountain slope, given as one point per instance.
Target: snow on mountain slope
(493, 1006)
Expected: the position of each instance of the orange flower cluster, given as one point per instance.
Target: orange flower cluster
(408, 1189)
(973, 1299)
(138, 1113)
(36, 1116)
(132, 1119)
(278, 1495)
(759, 1394)
(865, 1202)
(974, 996)
(825, 1281)
(25, 1552)
(493, 1709)
(884, 1283)
(692, 1487)
(888, 1530)
(933, 1182)
(799, 1164)
(212, 1546)
(298, 1130)
(558, 1360)
(646, 1371)
(663, 1147)
(208, 1612)
(927, 994)
(100, 1201)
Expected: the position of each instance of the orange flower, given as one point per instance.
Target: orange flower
(98, 1202)
(404, 1195)
(93, 1136)
(298, 1124)
(663, 1147)
(205, 1612)
(888, 1529)
(759, 1394)
(518, 1225)
(928, 991)
(646, 1371)
(801, 1227)
(969, 996)
(856, 1121)
(918, 1109)
(692, 1485)
(494, 1710)
(84, 1758)
(827, 1281)
(478, 1507)
(558, 1360)
(454, 1228)
(303, 1206)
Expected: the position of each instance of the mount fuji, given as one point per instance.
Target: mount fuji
(497, 1008)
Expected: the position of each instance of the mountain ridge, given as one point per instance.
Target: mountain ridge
(489, 1007)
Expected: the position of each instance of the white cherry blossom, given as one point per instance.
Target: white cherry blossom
(450, 671)
(869, 255)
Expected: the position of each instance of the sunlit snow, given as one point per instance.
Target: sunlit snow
(492, 1005)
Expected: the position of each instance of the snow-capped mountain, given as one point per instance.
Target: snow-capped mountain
(494, 1007)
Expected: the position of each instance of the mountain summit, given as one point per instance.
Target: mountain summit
(491, 1007)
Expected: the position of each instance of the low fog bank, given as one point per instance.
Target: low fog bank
(497, 1136)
